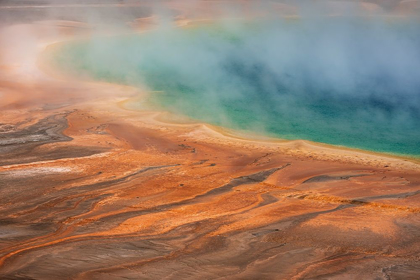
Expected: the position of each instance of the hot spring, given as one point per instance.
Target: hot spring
(347, 82)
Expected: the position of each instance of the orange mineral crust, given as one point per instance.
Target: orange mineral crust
(91, 189)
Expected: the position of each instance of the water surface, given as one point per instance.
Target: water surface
(348, 82)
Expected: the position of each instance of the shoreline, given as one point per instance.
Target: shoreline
(231, 134)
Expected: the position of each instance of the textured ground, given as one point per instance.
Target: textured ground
(90, 189)
(91, 196)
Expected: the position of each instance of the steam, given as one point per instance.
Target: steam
(336, 72)
(324, 79)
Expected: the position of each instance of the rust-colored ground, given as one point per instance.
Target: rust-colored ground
(90, 189)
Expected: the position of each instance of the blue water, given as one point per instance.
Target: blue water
(348, 82)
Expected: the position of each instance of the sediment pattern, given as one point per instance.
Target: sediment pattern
(186, 208)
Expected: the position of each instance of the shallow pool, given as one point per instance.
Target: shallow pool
(349, 82)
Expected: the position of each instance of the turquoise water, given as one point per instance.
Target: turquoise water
(341, 82)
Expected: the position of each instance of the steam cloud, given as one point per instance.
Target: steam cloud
(339, 80)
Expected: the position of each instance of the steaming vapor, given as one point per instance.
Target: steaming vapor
(347, 80)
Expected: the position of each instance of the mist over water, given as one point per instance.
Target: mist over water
(343, 81)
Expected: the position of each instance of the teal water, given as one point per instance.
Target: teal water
(341, 82)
